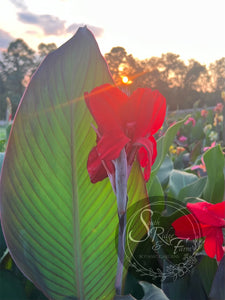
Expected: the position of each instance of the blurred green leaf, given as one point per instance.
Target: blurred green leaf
(196, 151)
(2, 145)
(8, 129)
(164, 143)
(188, 287)
(178, 180)
(218, 287)
(193, 189)
(207, 269)
(214, 188)
(11, 287)
(2, 242)
(2, 155)
(154, 187)
(152, 292)
(165, 170)
(132, 286)
(197, 131)
(196, 290)
(124, 297)
(176, 290)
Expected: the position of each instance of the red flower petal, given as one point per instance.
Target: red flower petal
(143, 154)
(105, 104)
(218, 209)
(110, 145)
(146, 154)
(124, 121)
(203, 211)
(187, 227)
(159, 111)
(95, 168)
(147, 108)
(214, 244)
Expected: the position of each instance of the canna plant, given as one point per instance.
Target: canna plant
(80, 157)
(125, 130)
(58, 226)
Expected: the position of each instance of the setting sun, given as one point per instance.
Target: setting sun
(125, 79)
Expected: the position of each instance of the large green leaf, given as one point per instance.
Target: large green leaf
(60, 228)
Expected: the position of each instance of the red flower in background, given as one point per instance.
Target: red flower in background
(204, 113)
(210, 219)
(124, 122)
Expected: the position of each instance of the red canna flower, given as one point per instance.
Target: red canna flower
(210, 219)
(124, 122)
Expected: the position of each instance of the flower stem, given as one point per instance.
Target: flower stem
(121, 182)
(121, 195)
(121, 251)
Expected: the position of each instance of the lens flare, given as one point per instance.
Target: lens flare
(125, 79)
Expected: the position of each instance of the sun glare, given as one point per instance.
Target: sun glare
(125, 79)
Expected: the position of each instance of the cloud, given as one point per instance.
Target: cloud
(97, 31)
(5, 39)
(50, 25)
(19, 4)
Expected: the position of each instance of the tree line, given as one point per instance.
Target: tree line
(182, 84)
(17, 65)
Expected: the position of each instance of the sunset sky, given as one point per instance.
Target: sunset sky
(145, 28)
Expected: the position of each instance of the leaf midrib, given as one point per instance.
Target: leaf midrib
(76, 217)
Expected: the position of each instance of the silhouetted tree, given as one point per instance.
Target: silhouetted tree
(121, 64)
(182, 84)
(217, 71)
(193, 73)
(115, 58)
(45, 49)
(2, 93)
(18, 62)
